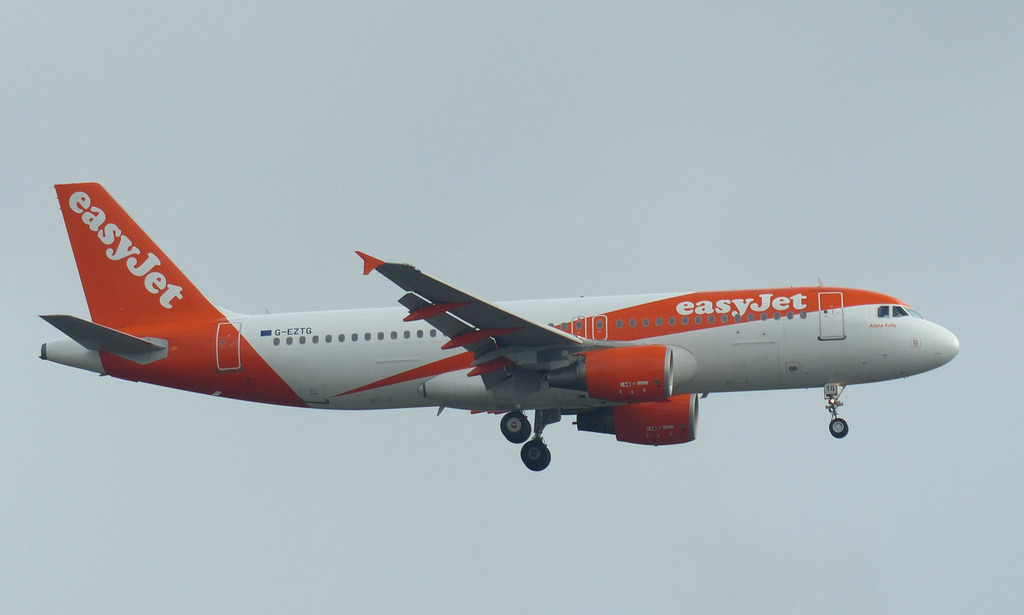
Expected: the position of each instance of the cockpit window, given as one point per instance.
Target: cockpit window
(896, 311)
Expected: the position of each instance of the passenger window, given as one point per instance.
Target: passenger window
(380, 335)
(394, 335)
(367, 336)
(433, 333)
(632, 323)
(419, 333)
(658, 322)
(302, 339)
(672, 321)
(883, 311)
(618, 324)
(316, 339)
(277, 341)
(327, 339)
(406, 334)
(647, 322)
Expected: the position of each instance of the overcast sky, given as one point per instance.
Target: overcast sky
(521, 150)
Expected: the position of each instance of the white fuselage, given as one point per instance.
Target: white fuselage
(782, 353)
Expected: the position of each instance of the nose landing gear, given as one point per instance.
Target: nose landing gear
(837, 426)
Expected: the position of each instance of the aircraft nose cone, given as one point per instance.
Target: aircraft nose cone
(946, 347)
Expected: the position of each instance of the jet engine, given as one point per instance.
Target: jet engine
(627, 374)
(669, 421)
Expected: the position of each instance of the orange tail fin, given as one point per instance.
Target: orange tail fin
(127, 278)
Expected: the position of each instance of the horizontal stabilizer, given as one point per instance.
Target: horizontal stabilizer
(97, 337)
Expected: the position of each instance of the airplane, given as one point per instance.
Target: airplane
(630, 366)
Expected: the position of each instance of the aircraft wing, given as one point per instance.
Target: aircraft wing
(468, 322)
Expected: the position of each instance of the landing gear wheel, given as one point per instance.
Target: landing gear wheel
(838, 428)
(536, 455)
(515, 427)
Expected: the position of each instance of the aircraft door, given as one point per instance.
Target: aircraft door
(579, 327)
(229, 352)
(830, 316)
(593, 327)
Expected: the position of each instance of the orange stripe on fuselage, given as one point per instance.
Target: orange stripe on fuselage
(454, 363)
(191, 364)
(721, 308)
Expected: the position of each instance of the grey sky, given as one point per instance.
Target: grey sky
(538, 151)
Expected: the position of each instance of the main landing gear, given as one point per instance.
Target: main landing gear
(516, 429)
(535, 454)
(837, 426)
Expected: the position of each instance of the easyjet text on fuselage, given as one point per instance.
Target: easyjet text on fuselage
(762, 303)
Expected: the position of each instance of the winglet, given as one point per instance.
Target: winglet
(369, 263)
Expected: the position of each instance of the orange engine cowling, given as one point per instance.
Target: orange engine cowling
(670, 421)
(630, 374)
